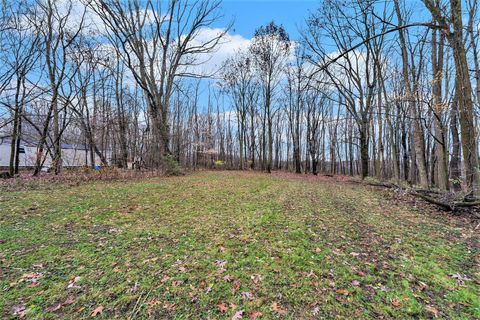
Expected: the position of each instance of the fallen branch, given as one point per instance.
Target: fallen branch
(431, 196)
(444, 205)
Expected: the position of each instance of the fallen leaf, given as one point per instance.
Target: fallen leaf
(222, 308)
(32, 276)
(70, 300)
(247, 295)
(19, 310)
(98, 310)
(432, 310)
(72, 284)
(177, 283)
(235, 285)
(152, 303)
(318, 250)
(343, 292)
(254, 315)
(354, 254)
(336, 252)
(54, 307)
(227, 278)
(355, 283)
(165, 279)
(170, 306)
(238, 315)
(396, 303)
(421, 286)
(256, 278)
(278, 309)
(150, 260)
(220, 263)
(209, 289)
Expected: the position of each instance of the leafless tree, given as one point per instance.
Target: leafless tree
(159, 44)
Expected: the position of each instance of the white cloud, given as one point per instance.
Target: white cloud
(209, 63)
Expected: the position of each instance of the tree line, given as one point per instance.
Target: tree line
(380, 89)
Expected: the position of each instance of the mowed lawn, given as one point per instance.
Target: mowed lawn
(227, 244)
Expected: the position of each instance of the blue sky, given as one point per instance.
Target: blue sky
(249, 14)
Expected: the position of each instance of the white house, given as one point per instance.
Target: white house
(73, 155)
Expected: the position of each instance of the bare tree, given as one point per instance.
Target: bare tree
(53, 24)
(270, 50)
(159, 44)
(238, 79)
(453, 27)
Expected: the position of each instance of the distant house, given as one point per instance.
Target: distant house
(73, 155)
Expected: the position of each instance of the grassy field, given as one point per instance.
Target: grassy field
(232, 245)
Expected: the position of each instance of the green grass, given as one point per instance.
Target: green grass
(179, 247)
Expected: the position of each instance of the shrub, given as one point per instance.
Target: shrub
(219, 164)
(171, 166)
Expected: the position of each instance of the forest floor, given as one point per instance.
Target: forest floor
(232, 245)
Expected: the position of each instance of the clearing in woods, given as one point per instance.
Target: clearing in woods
(233, 244)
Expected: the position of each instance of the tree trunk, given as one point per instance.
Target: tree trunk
(439, 134)
(364, 149)
(465, 102)
(418, 141)
(455, 171)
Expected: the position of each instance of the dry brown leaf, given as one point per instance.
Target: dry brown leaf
(238, 315)
(227, 278)
(254, 315)
(19, 310)
(396, 303)
(247, 295)
(256, 278)
(222, 308)
(235, 285)
(422, 286)
(70, 300)
(343, 292)
(72, 284)
(98, 310)
(278, 309)
(54, 307)
(170, 306)
(432, 310)
(177, 283)
(152, 303)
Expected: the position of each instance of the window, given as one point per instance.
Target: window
(21, 150)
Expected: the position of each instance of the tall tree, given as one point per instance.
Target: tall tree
(158, 44)
(270, 49)
(453, 27)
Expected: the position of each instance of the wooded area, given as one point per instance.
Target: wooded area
(160, 161)
(380, 89)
